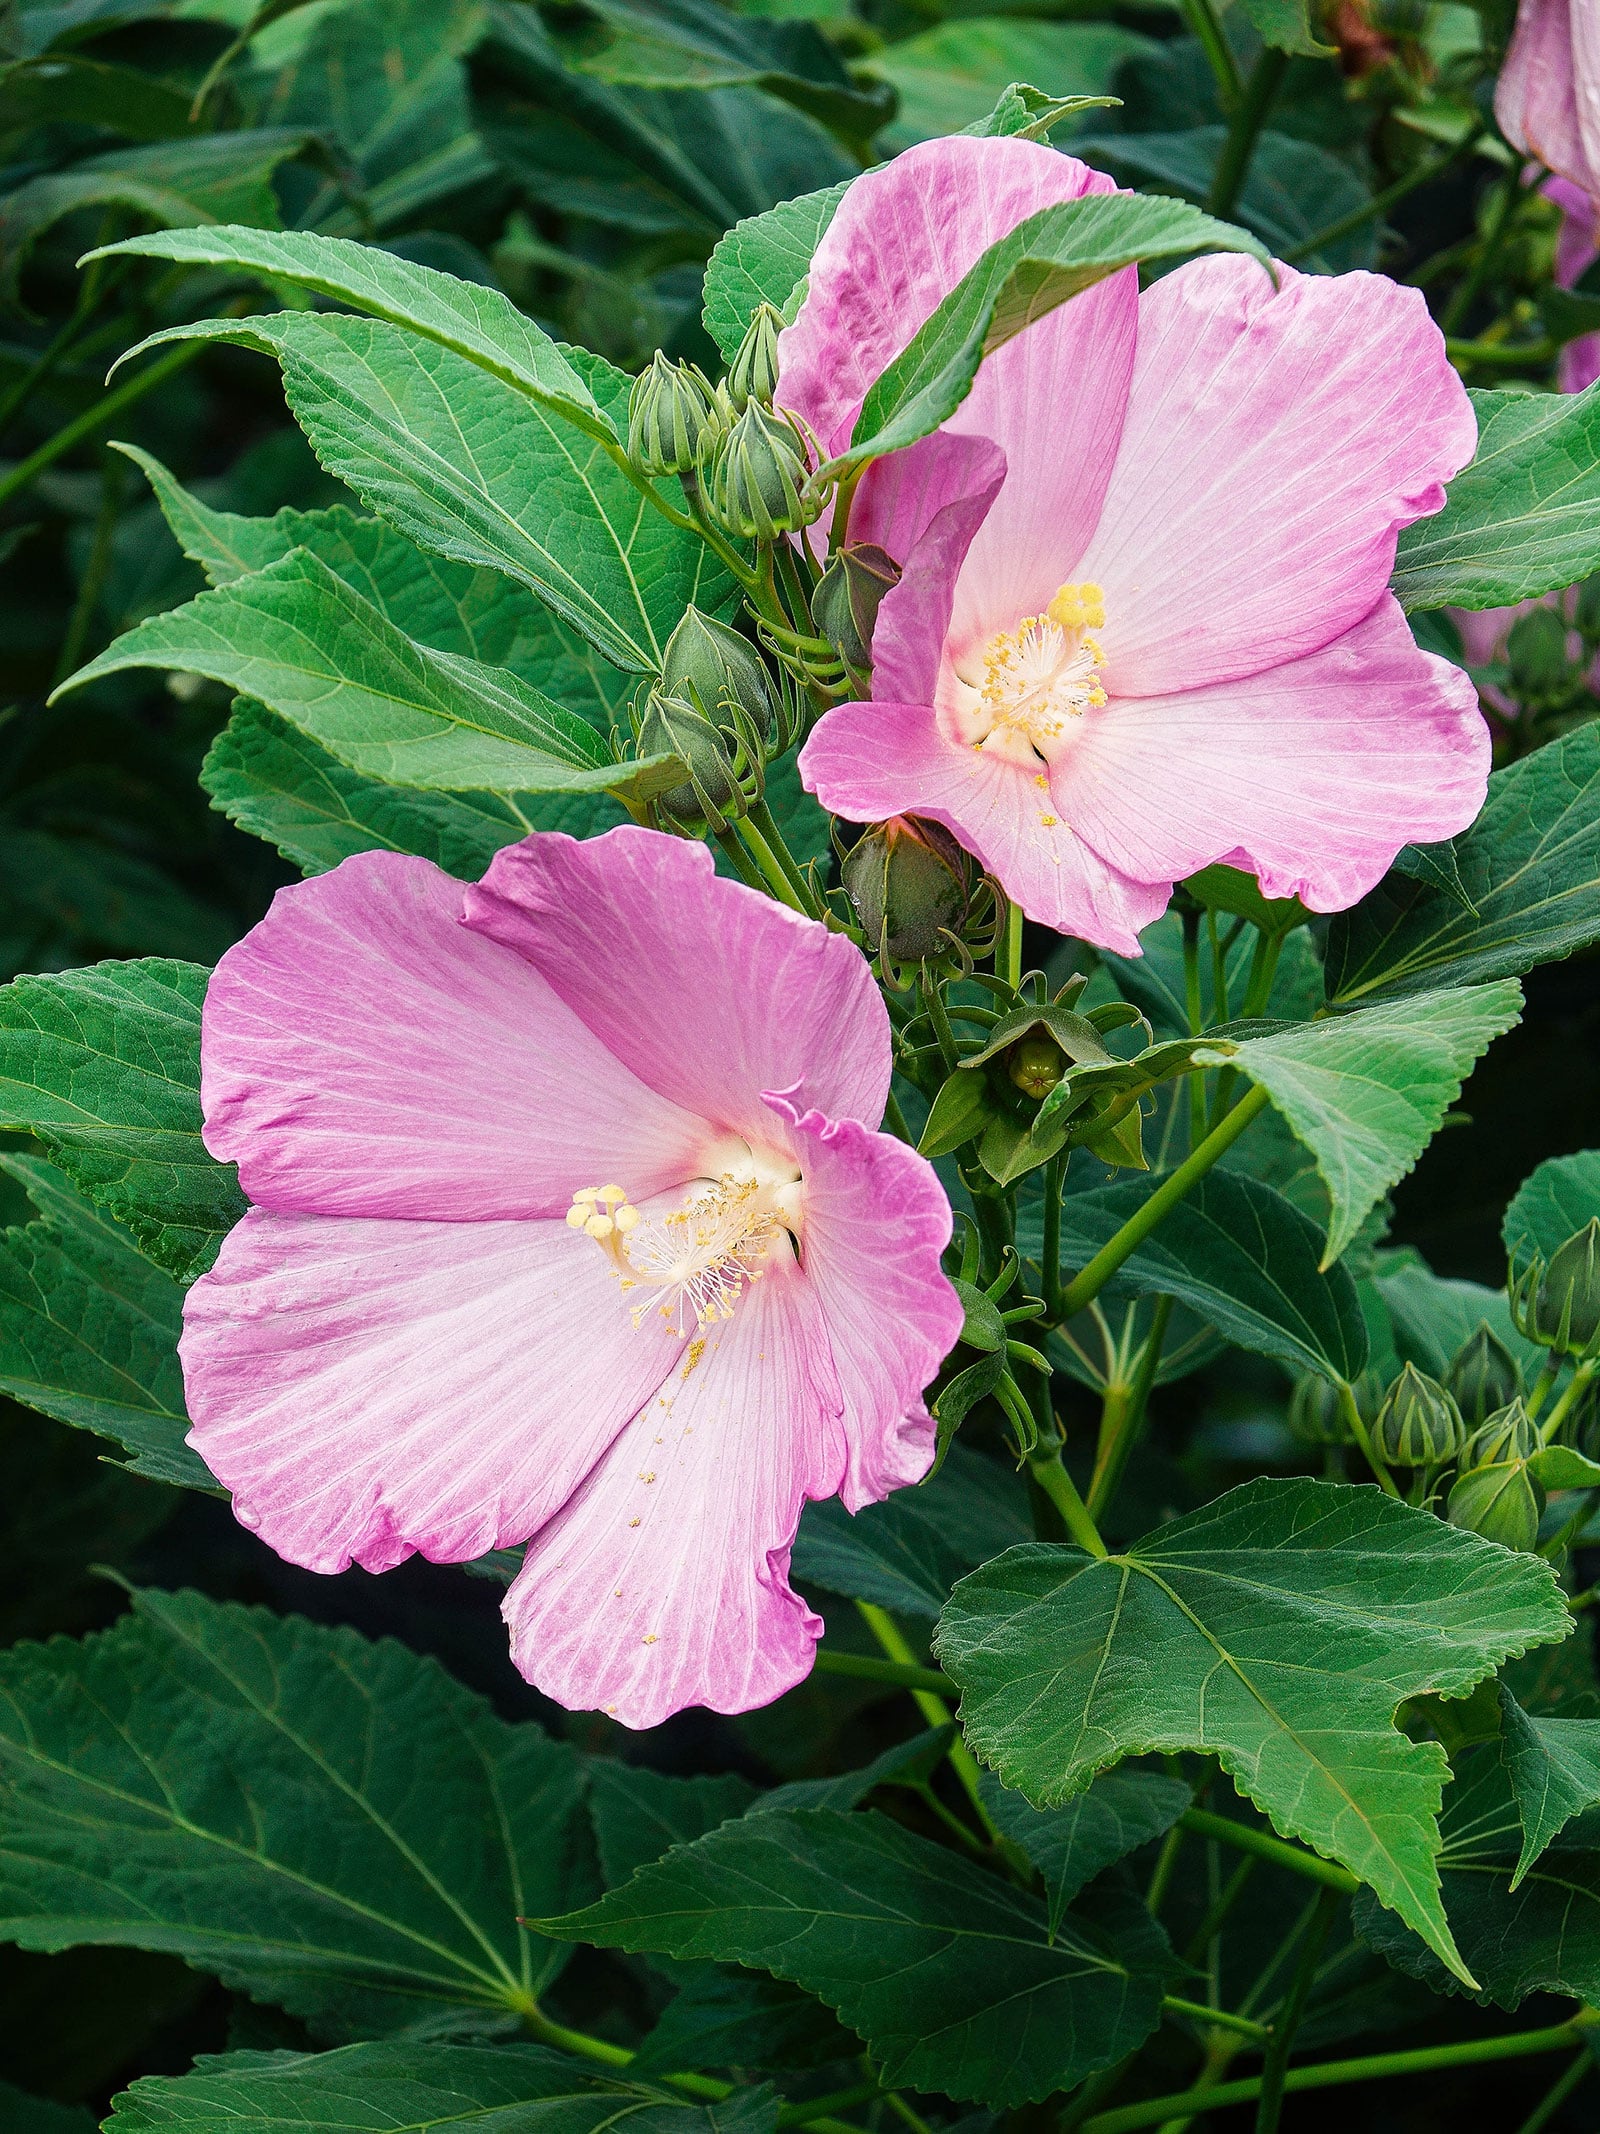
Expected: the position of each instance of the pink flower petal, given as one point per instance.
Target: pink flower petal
(364, 1054)
(708, 991)
(943, 514)
(1275, 444)
(1312, 774)
(900, 497)
(367, 1389)
(1547, 99)
(1052, 398)
(876, 1221)
(664, 1582)
(870, 761)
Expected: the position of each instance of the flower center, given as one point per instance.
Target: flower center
(701, 1256)
(1034, 678)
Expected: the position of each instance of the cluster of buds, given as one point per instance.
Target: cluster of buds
(1419, 1425)
(745, 464)
(715, 709)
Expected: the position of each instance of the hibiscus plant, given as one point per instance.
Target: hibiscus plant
(885, 905)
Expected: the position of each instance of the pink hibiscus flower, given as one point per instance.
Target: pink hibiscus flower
(1547, 99)
(1144, 622)
(570, 1223)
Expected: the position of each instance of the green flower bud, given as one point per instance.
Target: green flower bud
(1567, 1309)
(756, 479)
(1419, 1425)
(753, 373)
(712, 792)
(1502, 1503)
(908, 881)
(850, 591)
(670, 411)
(1505, 1435)
(1035, 1064)
(1482, 1377)
(1316, 1413)
(718, 671)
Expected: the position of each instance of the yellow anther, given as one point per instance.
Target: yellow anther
(589, 1193)
(611, 1195)
(625, 1217)
(578, 1214)
(599, 1226)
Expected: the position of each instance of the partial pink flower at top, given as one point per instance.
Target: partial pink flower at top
(570, 1222)
(1144, 622)
(1547, 99)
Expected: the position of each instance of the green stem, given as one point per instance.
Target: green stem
(1211, 1925)
(934, 1709)
(1161, 1874)
(1562, 1539)
(1055, 1180)
(1205, 25)
(768, 865)
(1218, 2017)
(94, 418)
(1197, 1018)
(605, 2054)
(895, 1120)
(1244, 1837)
(697, 523)
(1539, 1391)
(1557, 2094)
(773, 838)
(1269, 2106)
(1244, 129)
(1163, 1200)
(1059, 1487)
(933, 1002)
(98, 564)
(1573, 1392)
(1263, 969)
(1380, 203)
(894, 1674)
(1358, 1430)
(739, 860)
(1466, 291)
(1329, 2074)
(813, 2108)
(1012, 973)
(1113, 1457)
(1503, 355)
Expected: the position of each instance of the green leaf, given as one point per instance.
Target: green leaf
(764, 260)
(1367, 1092)
(310, 648)
(639, 1814)
(1530, 867)
(1279, 1628)
(325, 1823)
(1240, 1255)
(103, 1065)
(452, 607)
(218, 177)
(1552, 1204)
(99, 899)
(479, 324)
(402, 2088)
(89, 92)
(470, 468)
(906, 1553)
(1290, 25)
(949, 77)
(1051, 257)
(1292, 189)
(1562, 1467)
(1544, 1935)
(725, 2017)
(1228, 889)
(949, 1975)
(1070, 1845)
(1554, 1769)
(1522, 519)
(909, 1763)
(89, 1329)
(1434, 1317)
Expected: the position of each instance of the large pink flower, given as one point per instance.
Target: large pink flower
(1144, 623)
(570, 1223)
(1548, 96)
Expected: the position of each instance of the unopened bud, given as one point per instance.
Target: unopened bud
(718, 671)
(1502, 1503)
(1035, 1064)
(711, 793)
(849, 593)
(1419, 1425)
(1483, 1376)
(756, 480)
(1505, 1435)
(1316, 1413)
(1567, 1309)
(753, 373)
(670, 410)
(908, 882)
